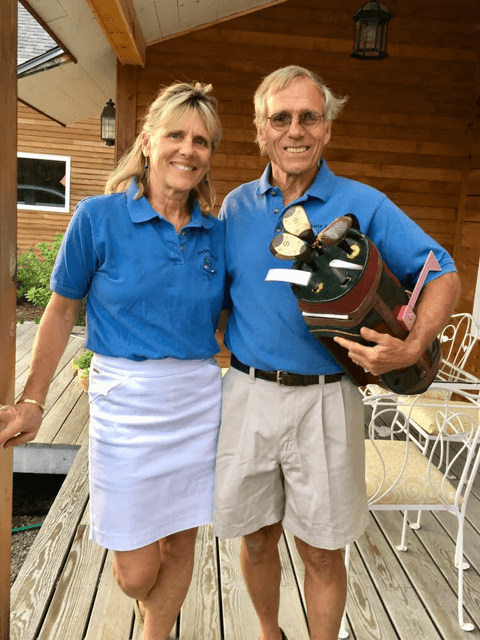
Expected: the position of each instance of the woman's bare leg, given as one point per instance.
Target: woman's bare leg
(158, 576)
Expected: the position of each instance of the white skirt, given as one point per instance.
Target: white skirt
(153, 438)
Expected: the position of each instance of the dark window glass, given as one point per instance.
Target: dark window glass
(41, 182)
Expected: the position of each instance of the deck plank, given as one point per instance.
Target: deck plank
(25, 327)
(25, 341)
(292, 611)
(471, 544)
(112, 615)
(33, 588)
(426, 578)
(55, 418)
(74, 423)
(69, 610)
(240, 619)
(366, 612)
(400, 598)
(200, 615)
(74, 347)
(441, 549)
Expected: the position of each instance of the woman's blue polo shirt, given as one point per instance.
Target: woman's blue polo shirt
(151, 293)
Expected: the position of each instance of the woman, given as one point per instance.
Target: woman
(150, 260)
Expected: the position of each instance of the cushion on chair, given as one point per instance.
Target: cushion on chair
(431, 409)
(419, 483)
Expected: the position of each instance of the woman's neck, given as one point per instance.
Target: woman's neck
(172, 206)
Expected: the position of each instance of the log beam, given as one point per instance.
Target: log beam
(126, 113)
(8, 242)
(118, 21)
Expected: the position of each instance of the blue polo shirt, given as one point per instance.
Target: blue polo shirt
(152, 293)
(266, 329)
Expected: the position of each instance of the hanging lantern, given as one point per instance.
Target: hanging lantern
(371, 31)
(107, 125)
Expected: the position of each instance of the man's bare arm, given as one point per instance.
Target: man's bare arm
(434, 309)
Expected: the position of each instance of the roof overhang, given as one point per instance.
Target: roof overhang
(97, 32)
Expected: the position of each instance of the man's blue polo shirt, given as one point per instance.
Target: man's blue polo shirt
(266, 329)
(152, 293)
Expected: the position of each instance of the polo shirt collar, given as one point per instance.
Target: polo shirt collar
(141, 210)
(321, 188)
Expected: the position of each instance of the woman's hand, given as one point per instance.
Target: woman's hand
(19, 423)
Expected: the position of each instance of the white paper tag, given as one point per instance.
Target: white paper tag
(293, 276)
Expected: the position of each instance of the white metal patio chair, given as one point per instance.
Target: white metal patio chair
(458, 339)
(400, 476)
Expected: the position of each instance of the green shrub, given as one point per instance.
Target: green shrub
(82, 364)
(34, 272)
(82, 314)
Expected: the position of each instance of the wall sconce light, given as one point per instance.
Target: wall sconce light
(107, 124)
(371, 31)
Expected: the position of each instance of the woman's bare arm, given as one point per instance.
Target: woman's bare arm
(20, 423)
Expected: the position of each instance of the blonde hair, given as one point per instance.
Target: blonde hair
(171, 103)
(282, 78)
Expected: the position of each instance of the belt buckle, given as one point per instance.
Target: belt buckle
(279, 376)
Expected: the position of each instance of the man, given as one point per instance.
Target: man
(291, 448)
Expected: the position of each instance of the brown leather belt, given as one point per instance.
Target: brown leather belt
(286, 378)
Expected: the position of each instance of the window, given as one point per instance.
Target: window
(43, 182)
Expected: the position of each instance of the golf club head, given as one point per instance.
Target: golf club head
(296, 222)
(335, 232)
(286, 246)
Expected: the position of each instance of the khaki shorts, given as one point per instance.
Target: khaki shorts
(294, 455)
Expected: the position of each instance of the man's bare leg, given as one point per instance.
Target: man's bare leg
(260, 563)
(325, 590)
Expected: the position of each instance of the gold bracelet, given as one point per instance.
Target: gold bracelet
(30, 401)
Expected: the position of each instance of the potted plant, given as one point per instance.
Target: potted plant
(81, 368)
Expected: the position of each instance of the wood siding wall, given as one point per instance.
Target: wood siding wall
(91, 162)
(405, 127)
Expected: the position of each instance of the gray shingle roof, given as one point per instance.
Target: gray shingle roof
(33, 40)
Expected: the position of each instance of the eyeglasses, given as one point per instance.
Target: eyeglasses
(308, 120)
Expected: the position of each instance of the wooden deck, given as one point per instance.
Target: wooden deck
(65, 588)
(65, 423)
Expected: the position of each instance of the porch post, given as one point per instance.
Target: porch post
(126, 113)
(8, 241)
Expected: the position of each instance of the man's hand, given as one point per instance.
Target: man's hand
(19, 424)
(386, 354)
(435, 307)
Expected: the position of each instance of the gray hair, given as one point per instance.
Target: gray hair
(282, 78)
(172, 103)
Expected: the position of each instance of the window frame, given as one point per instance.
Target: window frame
(41, 207)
